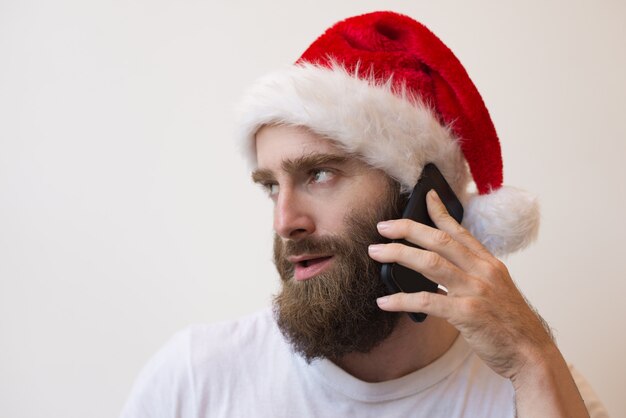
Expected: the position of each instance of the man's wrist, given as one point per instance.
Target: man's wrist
(538, 367)
(544, 386)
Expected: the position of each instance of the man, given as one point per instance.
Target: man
(337, 141)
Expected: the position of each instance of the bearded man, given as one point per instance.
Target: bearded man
(337, 141)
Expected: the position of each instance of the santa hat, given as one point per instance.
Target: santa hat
(385, 88)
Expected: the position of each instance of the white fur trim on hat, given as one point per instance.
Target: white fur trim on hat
(390, 130)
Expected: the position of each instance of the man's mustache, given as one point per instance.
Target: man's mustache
(312, 245)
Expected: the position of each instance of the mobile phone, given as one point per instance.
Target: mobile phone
(398, 278)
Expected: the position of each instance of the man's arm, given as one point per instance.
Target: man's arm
(485, 306)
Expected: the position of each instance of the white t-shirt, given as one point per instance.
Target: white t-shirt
(245, 368)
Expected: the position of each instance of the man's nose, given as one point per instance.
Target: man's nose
(292, 215)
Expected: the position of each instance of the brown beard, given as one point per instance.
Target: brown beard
(335, 313)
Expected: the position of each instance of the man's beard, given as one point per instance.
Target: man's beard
(335, 312)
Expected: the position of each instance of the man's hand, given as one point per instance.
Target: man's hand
(483, 303)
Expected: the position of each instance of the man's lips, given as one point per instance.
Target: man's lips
(307, 266)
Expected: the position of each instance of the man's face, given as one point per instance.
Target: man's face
(326, 206)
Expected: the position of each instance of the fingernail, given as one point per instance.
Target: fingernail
(374, 248)
(433, 194)
(382, 301)
(383, 225)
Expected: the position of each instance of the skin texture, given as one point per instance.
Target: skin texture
(482, 304)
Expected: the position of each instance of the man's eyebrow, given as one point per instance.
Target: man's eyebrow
(262, 176)
(303, 163)
(307, 162)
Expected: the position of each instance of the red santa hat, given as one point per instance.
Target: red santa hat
(385, 88)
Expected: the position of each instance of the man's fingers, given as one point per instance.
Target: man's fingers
(445, 222)
(427, 302)
(430, 264)
(431, 239)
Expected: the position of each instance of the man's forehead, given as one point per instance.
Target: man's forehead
(289, 147)
(272, 139)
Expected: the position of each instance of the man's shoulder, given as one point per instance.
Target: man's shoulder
(186, 368)
(245, 335)
(242, 344)
(213, 346)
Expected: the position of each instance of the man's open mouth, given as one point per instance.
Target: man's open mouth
(310, 267)
(313, 261)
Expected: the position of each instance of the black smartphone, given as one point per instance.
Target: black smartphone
(398, 278)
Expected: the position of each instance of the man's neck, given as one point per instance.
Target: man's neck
(410, 347)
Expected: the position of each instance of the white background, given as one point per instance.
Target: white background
(126, 212)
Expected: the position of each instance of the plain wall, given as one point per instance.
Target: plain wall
(127, 213)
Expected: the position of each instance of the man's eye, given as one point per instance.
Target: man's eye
(322, 175)
(271, 188)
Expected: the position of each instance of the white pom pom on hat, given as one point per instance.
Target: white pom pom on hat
(504, 220)
(385, 88)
